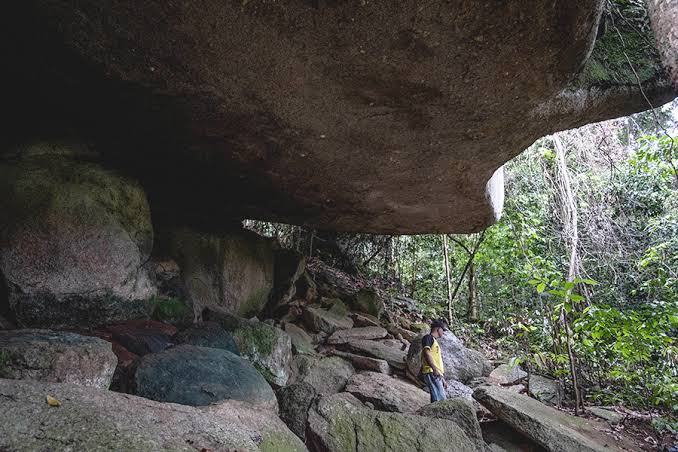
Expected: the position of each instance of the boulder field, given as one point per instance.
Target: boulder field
(180, 339)
(344, 116)
(231, 383)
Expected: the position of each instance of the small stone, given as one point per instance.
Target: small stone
(609, 415)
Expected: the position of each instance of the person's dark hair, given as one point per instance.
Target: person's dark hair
(438, 324)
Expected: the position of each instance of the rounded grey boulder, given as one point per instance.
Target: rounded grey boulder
(56, 357)
(200, 376)
(208, 334)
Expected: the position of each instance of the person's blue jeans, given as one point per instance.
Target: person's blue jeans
(435, 387)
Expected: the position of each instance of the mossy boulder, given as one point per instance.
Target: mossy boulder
(74, 238)
(267, 347)
(232, 270)
(93, 419)
(460, 411)
(340, 423)
(200, 376)
(368, 301)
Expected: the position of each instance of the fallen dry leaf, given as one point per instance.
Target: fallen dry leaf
(51, 401)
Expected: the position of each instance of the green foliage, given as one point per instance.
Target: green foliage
(172, 310)
(633, 352)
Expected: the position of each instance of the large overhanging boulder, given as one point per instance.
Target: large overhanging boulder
(350, 116)
(664, 15)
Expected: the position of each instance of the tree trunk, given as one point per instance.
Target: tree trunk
(472, 304)
(571, 236)
(449, 283)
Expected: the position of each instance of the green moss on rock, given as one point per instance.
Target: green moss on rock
(624, 37)
(172, 310)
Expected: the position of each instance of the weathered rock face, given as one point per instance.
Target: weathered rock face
(461, 363)
(288, 268)
(301, 341)
(387, 393)
(91, 419)
(339, 423)
(294, 402)
(664, 17)
(554, 430)
(325, 320)
(199, 376)
(74, 238)
(365, 362)
(545, 389)
(505, 374)
(458, 389)
(231, 271)
(286, 111)
(394, 355)
(461, 412)
(267, 347)
(56, 357)
(327, 375)
(369, 302)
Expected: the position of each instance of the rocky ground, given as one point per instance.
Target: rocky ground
(329, 365)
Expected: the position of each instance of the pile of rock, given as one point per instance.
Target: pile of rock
(327, 369)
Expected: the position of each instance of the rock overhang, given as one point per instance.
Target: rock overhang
(347, 116)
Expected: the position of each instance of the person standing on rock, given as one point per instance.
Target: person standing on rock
(432, 369)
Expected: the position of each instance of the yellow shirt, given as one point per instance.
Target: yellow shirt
(429, 342)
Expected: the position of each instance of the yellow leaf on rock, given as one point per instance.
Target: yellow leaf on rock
(51, 401)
